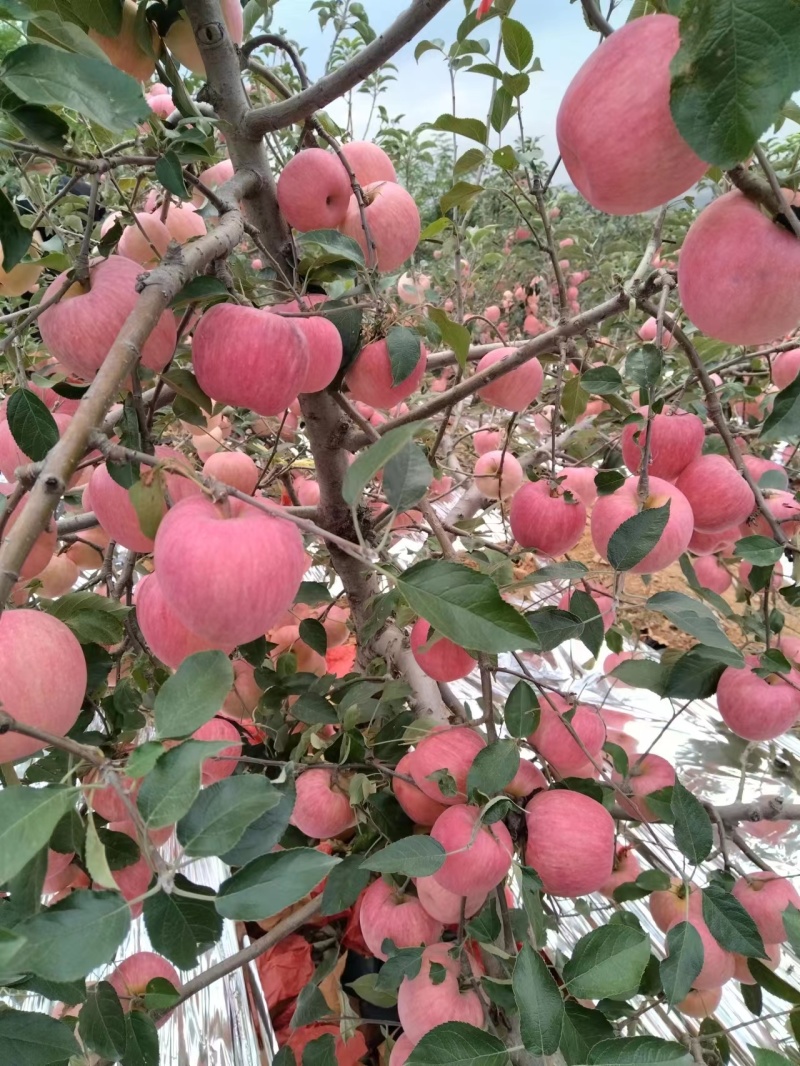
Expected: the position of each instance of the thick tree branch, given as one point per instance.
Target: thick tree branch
(276, 116)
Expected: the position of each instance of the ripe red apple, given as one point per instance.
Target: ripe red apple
(678, 903)
(498, 475)
(541, 518)
(314, 190)
(649, 330)
(443, 905)
(132, 881)
(757, 708)
(227, 570)
(554, 741)
(611, 511)
(487, 440)
(647, 774)
(124, 50)
(527, 779)
(452, 749)
(166, 635)
(615, 130)
(145, 241)
(393, 220)
(368, 162)
(218, 767)
(717, 493)
(742, 970)
(444, 660)
(243, 698)
(718, 964)
(712, 574)
(370, 380)
(700, 1004)
(478, 859)
(41, 555)
(412, 289)
(322, 808)
(570, 842)
(58, 577)
(765, 897)
(183, 222)
(401, 1051)
(710, 543)
(131, 978)
(419, 807)
(676, 439)
(517, 389)
(249, 358)
(626, 869)
(422, 1003)
(324, 343)
(783, 507)
(579, 480)
(233, 468)
(81, 328)
(785, 367)
(389, 914)
(726, 273)
(42, 678)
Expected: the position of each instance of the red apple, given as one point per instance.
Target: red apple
(424, 1001)
(757, 708)
(717, 493)
(218, 767)
(487, 440)
(570, 842)
(676, 439)
(611, 511)
(785, 367)
(131, 978)
(233, 468)
(579, 480)
(444, 660)
(322, 808)
(419, 807)
(452, 749)
(443, 905)
(368, 162)
(389, 914)
(145, 241)
(393, 220)
(243, 698)
(166, 636)
(541, 518)
(765, 897)
(647, 774)
(498, 475)
(742, 970)
(124, 49)
(324, 351)
(700, 1004)
(649, 330)
(370, 379)
(626, 869)
(555, 742)
(677, 903)
(712, 574)
(314, 190)
(718, 964)
(515, 390)
(478, 856)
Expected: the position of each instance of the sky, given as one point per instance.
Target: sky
(422, 90)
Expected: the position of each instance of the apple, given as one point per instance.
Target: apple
(20, 279)
(712, 574)
(611, 511)
(543, 519)
(218, 767)
(80, 330)
(124, 49)
(58, 577)
(710, 543)
(42, 678)
(443, 905)
(212, 178)
(227, 570)
(233, 468)
(700, 1004)
(487, 440)
(785, 367)
(370, 378)
(314, 190)
(649, 330)
(393, 220)
(498, 475)
(570, 842)
(785, 510)
(757, 708)
(579, 480)
(181, 41)
(388, 913)
(131, 978)
(249, 358)
(615, 130)
(425, 1001)
(718, 964)
(41, 554)
(348, 1050)
(161, 105)
(647, 774)
(322, 808)
(132, 881)
(412, 290)
(678, 903)
(165, 634)
(145, 241)
(492, 313)
(183, 221)
(726, 273)
(742, 969)
(555, 742)
(244, 697)
(478, 856)
(420, 808)
(526, 780)
(444, 660)
(532, 326)
(717, 493)
(676, 439)
(515, 390)
(401, 1051)
(368, 162)
(765, 896)
(324, 343)
(451, 749)
(626, 869)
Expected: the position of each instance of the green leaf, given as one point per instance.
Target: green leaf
(608, 481)
(683, 963)
(179, 927)
(643, 366)
(783, 421)
(730, 924)
(694, 835)
(763, 1056)
(695, 618)
(329, 246)
(456, 336)
(493, 768)
(460, 195)
(160, 994)
(141, 1039)
(39, 125)
(261, 837)
(574, 399)
(471, 128)
(639, 1051)
(32, 1039)
(541, 1008)
(269, 884)
(458, 1044)
(310, 1007)
(468, 161)
(75, 935)
(637, 536)
(169, 789)
(406, 477)
(404, 347)
(105, 16)
(319, 1052)
(170, 173)
(737, 66)
(96, 859)
(185, 383)
(199, 289)
(194, 694)
(553, 627)
(94, 88)
(485, 927)
(367, 988)
(602, 381)
(28, 817)
(415, 856)
(221, 813)
(608, 963)
(15, 239)
(102, 1022)
(92, 618)
(695, 675)
(502, 109)
(505, 158)
(760, 551)
(791, 923)
(427, 46)
(312, 632)
(375, 458)
(344, 884)
(584, 607)
(582, 1029)
(147, 499)
(770, 982)
(517, 43)
(521, 713)
(465, 607)
(32, 426)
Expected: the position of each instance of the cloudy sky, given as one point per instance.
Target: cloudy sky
(422, 90)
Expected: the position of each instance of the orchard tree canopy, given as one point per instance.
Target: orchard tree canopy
(377, 502)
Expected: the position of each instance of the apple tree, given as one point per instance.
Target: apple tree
(318, 444)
